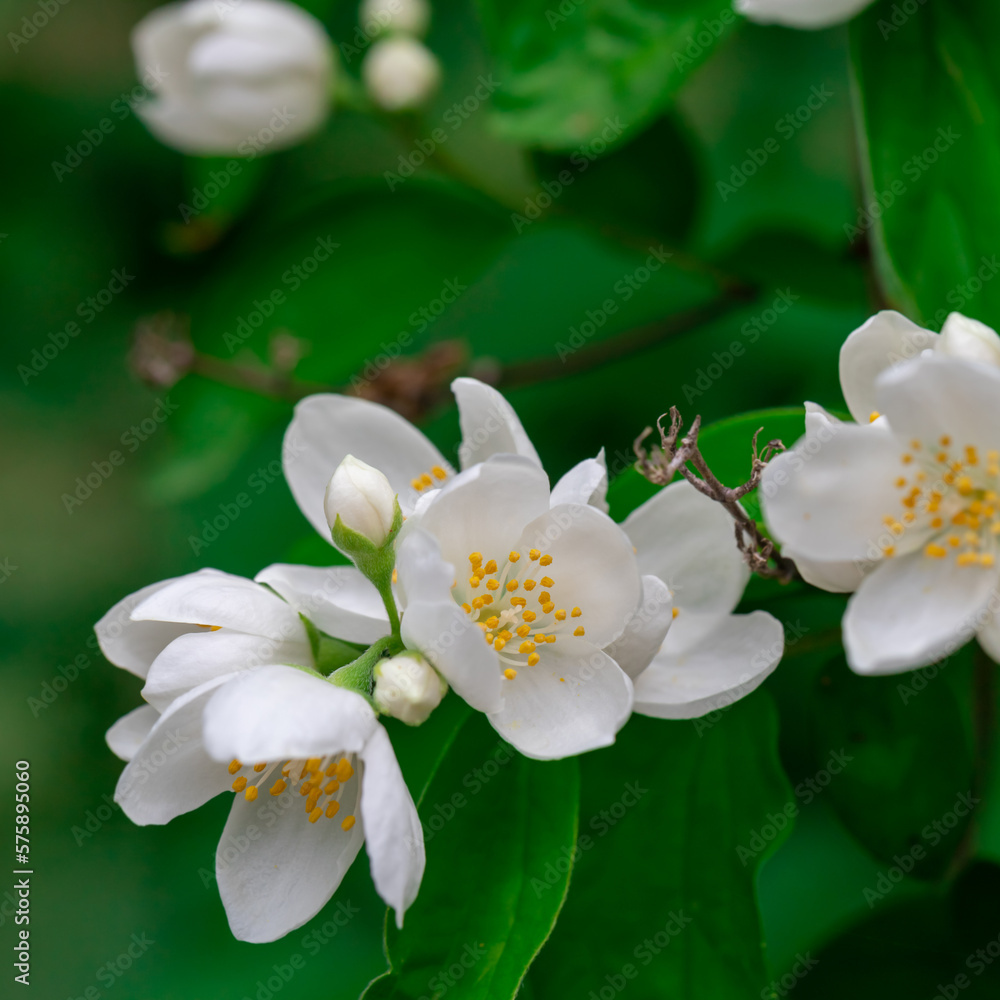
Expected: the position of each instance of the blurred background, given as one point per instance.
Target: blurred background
(475, 259)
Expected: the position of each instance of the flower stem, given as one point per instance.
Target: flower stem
(357, 675)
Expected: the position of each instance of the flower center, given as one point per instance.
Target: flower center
(512, 603)
(427, 480)
(320, 780)
(952, 497)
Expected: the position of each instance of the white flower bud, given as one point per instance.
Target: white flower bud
(408, 16)
(400, 73)
(233, 76)
(363, 498)
(800, 13)
(408, 688)
(962, 337)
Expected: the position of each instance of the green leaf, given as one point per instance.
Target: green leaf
(930, 107)
(899, 790)
(576, 72)
(662, 899)
(726, 446)
(498, 830)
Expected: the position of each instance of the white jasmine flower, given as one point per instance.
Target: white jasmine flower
(363, 500)
(400, 73)
(711, 657)
(800, 13)
(234, 76)
(313, 774)
(326, 428)
(910, 497)
(407, 687)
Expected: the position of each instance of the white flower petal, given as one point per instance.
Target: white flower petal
(818, 419)
(573, 700)
(434, 625)
(210, 597)
(194, 659)
(484, 509)
(643, 636)
(131, 644)
(171, 773)
(800, 13)
(962, 337)
(585, 483)
(937, 395)
(275, 869)
(279, 712)
(913, 610)
(395, 841)
(593, 567)
(326, 429)
(708, 662)
(828, 500)
(489, 424)
(130, 731)
(989, 633)
(339, 600)
(689, 542)
(830, 575)
(884, 341)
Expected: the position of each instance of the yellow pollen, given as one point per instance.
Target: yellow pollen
(305, 788)
(511, 586)
(239, 784)
(889, 551)
(971, 456)
(575, 613)
(936, 551)
(492, 584)
(954, 541)
(489, 638)
(901, 482)
(417, 484)
(510, 673)
(426, 480)
(313, 764)
(548, 606)
(347, 823)
(964, 486)
(467, 608)
(438, 472)
(874, 416)
(490, 567)
(906, 459)
(251, 794)
(473, 582)
(993, 456)
(492, 621)
(896, 528)
(526, 647)
(675, 612)
(312, 800)
(533, 659)
(942, 456)
(211, 628)
(545, 561)
(506, 635)
(578, 630)
(279, 786)
(544, 597)
(479, 602)
(909, 517)
(395, 575)
(986, 559)
(234, 766)
(936, 522)
(499, 644)
(915, 444)
(332, 787)
(259, 767)
(529, 616)
(518, 602)
(344, 770)
(523, 630)
(530, 584)
(547, 581)
(513, 557)
(332, 808)
(561, 615)
(967, 559)
(315, 814)
(475, 558)
(539, 637)
(550, 639)
(534, 554)
(945, 441)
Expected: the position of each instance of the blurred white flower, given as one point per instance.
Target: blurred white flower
(234, 76)
(410, 17)
(363, 500)
(400, 73)
(800, 13)
(407, 687)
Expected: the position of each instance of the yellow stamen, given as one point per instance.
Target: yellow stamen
(259, 767)
(529, 616)
(674, 612)
(967, 559)
(523, 630)
(347, 823)
(492, 584)
(234, 766)
(526, 647)
(874, 416)
(578, 630)
(474, 582)
(936, 551)
(499, 644)
(332, 787)
(561, 615)
(251, 793)
(533, 554)
(548, 606)
(279, 786)
(533, 659)
(545, 561)
(544, 597)
(513, 556)
(344, 770)
(332, 808)
(510, 673)
(547, 581)
(575, 613)
(438, 472)
(315, 814)
(490, 567)
(239, 784)
(529, 584)
(511, 586)
(476, 559)
(945, 441)
(518, 602)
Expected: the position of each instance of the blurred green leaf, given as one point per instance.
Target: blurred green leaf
(483, 913)
(930, 115)
(580, 73)
(674, 821)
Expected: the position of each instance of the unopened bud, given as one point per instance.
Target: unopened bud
(408, 688)
(962, 337)
(400, 73)
(363, 499)
(408, 16)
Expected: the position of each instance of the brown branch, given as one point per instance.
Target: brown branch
(686, 459)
